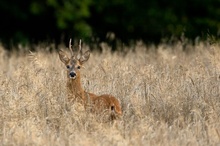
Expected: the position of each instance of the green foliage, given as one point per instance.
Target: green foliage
(129, 20)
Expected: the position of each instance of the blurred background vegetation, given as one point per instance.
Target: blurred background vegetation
(124, 21)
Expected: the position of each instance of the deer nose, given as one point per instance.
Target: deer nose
(72, 74)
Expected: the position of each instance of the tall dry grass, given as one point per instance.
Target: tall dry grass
(168, 96)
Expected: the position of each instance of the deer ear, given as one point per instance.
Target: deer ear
(84, 57)
(63, 57)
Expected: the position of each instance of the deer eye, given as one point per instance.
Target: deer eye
(78, 67)
(68, 67)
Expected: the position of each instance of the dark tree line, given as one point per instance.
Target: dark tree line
(35, 21)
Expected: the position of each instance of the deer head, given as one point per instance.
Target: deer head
(74, 63)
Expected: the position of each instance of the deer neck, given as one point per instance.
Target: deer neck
(75, 89)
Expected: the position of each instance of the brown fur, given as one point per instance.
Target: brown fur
(98, 104)
(76, 93)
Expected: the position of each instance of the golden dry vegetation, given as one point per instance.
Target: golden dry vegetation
(168, 96)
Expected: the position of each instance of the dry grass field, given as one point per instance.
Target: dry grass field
(168, 96)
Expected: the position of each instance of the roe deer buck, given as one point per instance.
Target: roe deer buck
(76, 93)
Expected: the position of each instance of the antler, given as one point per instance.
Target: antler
(80, 50)
(80, 54)
(70, 47)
